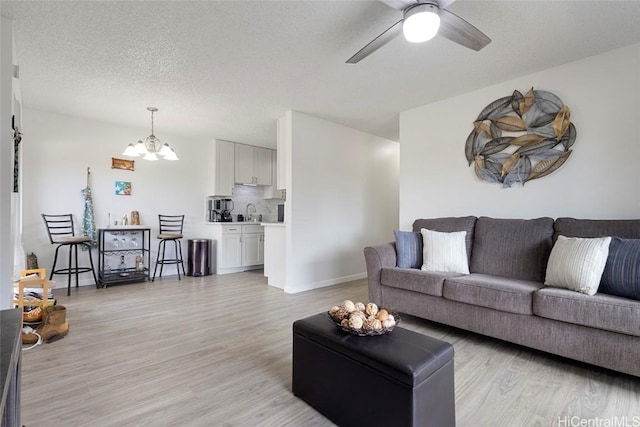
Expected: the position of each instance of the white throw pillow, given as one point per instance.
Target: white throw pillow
(444, 251)
(577, 263)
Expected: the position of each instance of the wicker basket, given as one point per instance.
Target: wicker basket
(363, 332)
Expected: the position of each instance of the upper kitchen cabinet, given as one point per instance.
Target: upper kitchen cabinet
(270, 192)
(221, 175)
(252, 165)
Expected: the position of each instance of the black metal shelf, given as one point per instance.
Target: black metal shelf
(112, 274)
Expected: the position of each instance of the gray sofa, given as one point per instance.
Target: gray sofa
(504, 296)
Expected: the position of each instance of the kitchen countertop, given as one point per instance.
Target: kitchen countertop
(273, 224)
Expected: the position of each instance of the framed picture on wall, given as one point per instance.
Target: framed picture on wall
(123, 188)
(123, 164)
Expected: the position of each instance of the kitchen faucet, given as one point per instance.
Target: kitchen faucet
(248, 216)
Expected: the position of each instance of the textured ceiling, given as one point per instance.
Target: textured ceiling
(229, 69)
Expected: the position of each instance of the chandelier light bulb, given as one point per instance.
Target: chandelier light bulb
(140, 147)
(421, 23)
(130, 150)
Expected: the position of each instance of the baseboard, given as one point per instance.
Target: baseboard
(325, 283)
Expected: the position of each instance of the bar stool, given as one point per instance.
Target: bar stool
(170, 231)
(62, 233)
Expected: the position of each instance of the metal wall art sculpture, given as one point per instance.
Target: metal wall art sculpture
(520, 137)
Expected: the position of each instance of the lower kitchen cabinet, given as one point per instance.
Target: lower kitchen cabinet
(253, 249)
(240, 246)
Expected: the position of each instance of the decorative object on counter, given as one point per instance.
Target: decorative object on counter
(88, 218)
(135, 218)
(123, 164)
(125, 220)
(538, 139)
(123, 188)
(151, 147)
(240, 218)
(363, 320)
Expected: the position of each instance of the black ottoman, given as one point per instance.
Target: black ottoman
(401, 378)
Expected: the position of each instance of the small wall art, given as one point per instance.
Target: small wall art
(520, 137)
(123, 188)
(123, 164)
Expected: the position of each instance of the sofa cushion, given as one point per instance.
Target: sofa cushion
(577, 263)
(516, 248)
(621, 275)
(600, 311)
(444, 251)
(499, 293)
(425, 282)
(409, 249)
(571, 227)
(448, 225)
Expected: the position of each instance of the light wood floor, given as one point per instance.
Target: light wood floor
(216, 351)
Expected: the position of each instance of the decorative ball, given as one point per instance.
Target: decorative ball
(359, 314)
(382, 315)
(340, 314)
(388, 323)
(348, 305)
(356, 322)
(390, 317)
(360, 306)
(371, 309)
(333, 310)
(377, 325)
(369, 325)
(345, 323)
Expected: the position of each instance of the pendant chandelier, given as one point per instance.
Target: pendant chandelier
(151, 148)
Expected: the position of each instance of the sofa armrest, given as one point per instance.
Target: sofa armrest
(377, 258)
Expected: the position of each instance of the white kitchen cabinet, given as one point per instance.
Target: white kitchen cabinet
(271, 192)
(252, 165)
(239, 247)
(231, 250)
(220, 180)
(263, 166)
(252, 249)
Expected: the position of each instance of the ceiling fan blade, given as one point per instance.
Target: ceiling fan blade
(444, 3)
(377, 43)
(460, 31)
(403, 4)
(399, 4)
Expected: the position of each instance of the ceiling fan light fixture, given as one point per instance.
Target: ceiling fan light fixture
(421, 22)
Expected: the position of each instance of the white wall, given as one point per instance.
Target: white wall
(599, 180)
(6, 163)
(57, 150)
(342, 196)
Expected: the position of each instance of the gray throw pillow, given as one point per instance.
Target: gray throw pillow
(408, 249)
(621, 276)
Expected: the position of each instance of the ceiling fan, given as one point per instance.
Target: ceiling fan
(421, 21)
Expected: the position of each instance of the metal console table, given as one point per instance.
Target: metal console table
(123, 255)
